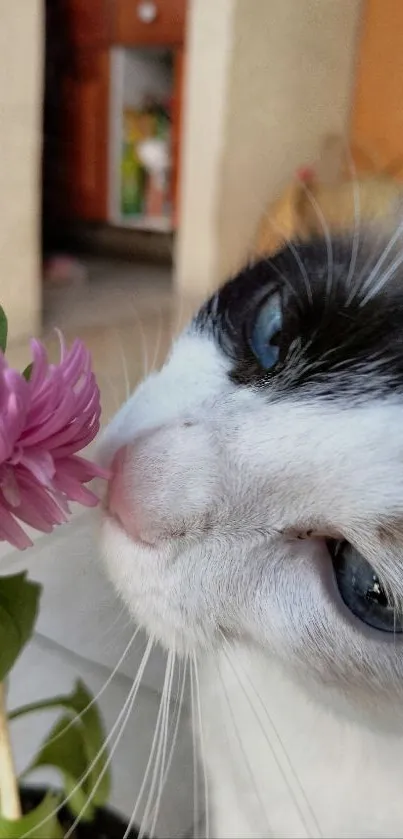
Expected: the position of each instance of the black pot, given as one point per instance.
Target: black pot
(105, 825)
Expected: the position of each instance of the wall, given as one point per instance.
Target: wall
(287, 68)
(208, 60)
(21, 51)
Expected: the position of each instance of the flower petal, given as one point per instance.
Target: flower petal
(43, 423)
(48, 503)
(10, 530)
(82, 469)
(29, 514)
(40, 365)
(40, 463)
(74, 490)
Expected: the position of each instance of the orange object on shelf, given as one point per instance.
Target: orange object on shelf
(329, 194)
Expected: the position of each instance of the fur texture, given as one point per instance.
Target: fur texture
(219, 466)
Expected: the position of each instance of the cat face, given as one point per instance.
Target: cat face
(257, 480)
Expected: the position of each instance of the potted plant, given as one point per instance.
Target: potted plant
(48, 414)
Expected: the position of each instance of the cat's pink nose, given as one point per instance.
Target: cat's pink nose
(161, 482)
(119, 502)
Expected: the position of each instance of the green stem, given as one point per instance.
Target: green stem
(42, 705)
(9, 795)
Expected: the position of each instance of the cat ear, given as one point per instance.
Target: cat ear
(380, 542)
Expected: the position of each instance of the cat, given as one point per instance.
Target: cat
(254, 522)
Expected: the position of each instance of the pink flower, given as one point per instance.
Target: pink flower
(44, 422)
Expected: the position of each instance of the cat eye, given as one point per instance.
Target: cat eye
(266, 330)
(362, 591)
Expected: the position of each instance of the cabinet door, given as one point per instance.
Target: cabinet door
(85, 108)
(377, 113)
(88, 21)
(149, 22)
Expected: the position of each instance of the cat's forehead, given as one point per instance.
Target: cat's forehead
(342, 319)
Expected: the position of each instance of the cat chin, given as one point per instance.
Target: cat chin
(136, 571)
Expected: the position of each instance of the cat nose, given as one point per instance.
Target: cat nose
(119, 502)
(162, 481)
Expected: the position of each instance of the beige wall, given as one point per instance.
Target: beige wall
(209, 50)
(21, 51)
(285, 76)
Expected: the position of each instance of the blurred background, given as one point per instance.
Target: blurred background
(141, 142)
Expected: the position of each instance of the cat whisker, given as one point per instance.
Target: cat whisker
(160, 758)
(357, 224)
(291, 247)
(94, 700)
(202, 749)
(177, 709)
(294, 250)
(158, 342)
(112, 388)
(243, 751)
(179, 316)
(196, 815)
(384, 278)
(279, 740)
(124, 715)
(367, 284)
(179, 682)
(124, 364)
(326, 233)
(156, 735)
(116, 624)
(119, 736)
(143, 340)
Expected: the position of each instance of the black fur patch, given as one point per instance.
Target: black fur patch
(332, 343)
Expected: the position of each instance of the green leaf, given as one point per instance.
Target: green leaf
(45, 812)
(65, 750)
(72, 746)
(28, 371)
(94, 737)
(19, 600)
(3, 329)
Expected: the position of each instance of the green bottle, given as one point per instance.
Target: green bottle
(131, 181)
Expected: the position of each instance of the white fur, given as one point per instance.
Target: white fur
(350, 772)
(222, 479)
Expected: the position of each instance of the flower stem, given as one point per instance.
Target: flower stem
(9, 796)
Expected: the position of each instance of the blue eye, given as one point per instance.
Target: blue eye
(265, 331)
(362, 591)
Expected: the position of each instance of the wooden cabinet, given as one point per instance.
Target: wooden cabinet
(149, 22)
(89, 22)
(93, 28)
(85, 94)
(377, 112)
